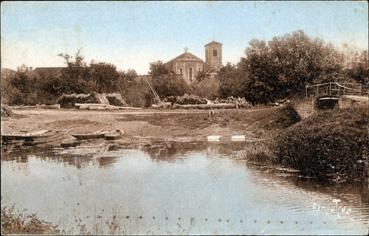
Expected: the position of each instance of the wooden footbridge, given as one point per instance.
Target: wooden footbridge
(335, 89)
(326, 95)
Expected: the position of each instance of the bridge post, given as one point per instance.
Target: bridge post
(317, 90)
(306, 91)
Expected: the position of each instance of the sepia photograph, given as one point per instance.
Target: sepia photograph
(184, 118)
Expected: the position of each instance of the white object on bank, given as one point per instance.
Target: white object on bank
(214, 138)
(238, 138)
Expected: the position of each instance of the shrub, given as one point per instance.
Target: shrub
(13, 222)
(115, 99)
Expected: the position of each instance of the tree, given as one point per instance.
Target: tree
(24, 88)
(166, 83)
(23, 68)
(78, 77)
(201, 75)
(22, 82)
(359, 68)
(158, 68)
(169, 85)
(105, 76)
(283, 66)
(78, 59)
(231, 79)
(130, 75)
(207, 87)
(76, 74)
(135, 89)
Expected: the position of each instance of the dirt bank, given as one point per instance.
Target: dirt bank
(167, 125)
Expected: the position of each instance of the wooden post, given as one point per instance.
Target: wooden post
(306, 90)
(317, 90)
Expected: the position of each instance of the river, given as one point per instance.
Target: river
(167, 190)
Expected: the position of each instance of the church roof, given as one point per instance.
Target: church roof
(213, 42)
(186, 57)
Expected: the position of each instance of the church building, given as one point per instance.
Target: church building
(188, 65)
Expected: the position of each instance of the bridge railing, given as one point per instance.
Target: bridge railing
(334, 89)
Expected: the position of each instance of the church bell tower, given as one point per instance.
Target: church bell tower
(213, 55)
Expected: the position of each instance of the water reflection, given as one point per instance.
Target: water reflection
(84, 155)
(176, 180)
(105, 155)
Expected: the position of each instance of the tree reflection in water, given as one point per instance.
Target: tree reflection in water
(105, 155)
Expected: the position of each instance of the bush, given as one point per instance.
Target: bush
(115, 99)
(69, 100)
(332, 144)
(186, 99)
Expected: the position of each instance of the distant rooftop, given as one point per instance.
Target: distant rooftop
(48, 71)
(187, 56)
(48, 68)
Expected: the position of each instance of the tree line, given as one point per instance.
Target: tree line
(269, 70)
(26, 87)
(283, 66)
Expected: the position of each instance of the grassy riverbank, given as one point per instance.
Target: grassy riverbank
(332, 144)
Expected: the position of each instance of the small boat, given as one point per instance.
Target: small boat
(117, 134)
(69, 143)
(94, 135)
(89, 136)
(98, 134)
(26, 136)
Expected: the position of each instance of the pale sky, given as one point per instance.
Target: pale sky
(133, 34)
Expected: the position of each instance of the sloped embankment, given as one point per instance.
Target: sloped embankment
(332, 144)
(279, 118)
